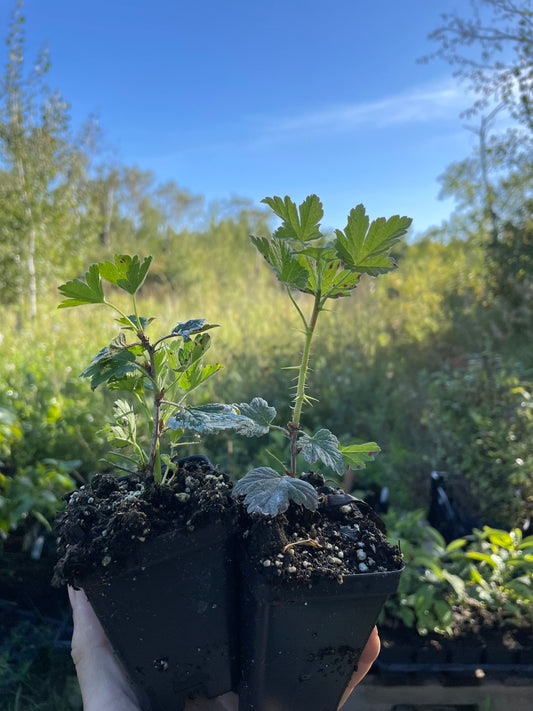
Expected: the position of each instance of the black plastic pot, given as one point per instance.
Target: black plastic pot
(171, 616)
(300, 646)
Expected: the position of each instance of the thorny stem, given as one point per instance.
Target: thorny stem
(158, 396)
(294, 425)
(304, 364)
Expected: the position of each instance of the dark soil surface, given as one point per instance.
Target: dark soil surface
(342, 537)
(105, 522)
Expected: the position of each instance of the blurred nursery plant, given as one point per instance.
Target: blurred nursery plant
(429, 586)
(497, 567)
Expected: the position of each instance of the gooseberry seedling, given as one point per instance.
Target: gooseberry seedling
(160, 374)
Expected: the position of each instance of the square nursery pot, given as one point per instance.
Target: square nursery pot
(300, 645)
(171, 616)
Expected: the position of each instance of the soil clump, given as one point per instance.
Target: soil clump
(106, 522)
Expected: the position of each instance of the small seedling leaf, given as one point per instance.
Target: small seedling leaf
(365, 249)
(268, 493)
(111, 363)
(323, 446)
(191, 351)
(125, 272)
(193, 325)
(284, 262)
(77, 292)
(197, 374)
(138, 324)
(124, 431)
(301, 224)
(359, 454)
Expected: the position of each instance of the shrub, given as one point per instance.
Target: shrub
(479, 422)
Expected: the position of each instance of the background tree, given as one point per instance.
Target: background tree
(492, 50)
(43, 167)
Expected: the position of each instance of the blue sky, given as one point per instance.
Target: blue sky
(253, 98)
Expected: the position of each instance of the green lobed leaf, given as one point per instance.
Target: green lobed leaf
(140, 324)
(301, 224)
(193, 325)
(333, 281)
(77, 292)
(260, 412)
(365, 249)
(197, 374)
(323, 446)
(190, 351)
(111, 363)
(128, 273)
(284, 262)
(268, 493)
(217, 417)
(124, 431)
(358, 454)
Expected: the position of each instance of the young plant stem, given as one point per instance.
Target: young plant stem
(299, 399)
(156, 433)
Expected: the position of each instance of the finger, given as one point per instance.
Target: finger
(103, 682)
(368, 657)
(88, 631)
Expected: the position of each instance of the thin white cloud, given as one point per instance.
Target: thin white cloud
(442, 101)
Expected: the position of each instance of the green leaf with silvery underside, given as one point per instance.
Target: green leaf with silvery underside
(205, 419)
(269, 493)
(112, 362)
(284, 262)
(365, 249)
(216, 417)
(323, 446)
(260, 412)
(125, 272)
(77, 292)
(301, 224)
(359, 454)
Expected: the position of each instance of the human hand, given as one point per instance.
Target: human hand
(103, 681)
(368, 657)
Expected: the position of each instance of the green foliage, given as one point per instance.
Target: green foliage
(10, 432)
(158, 374)
(267, 492)
(304, 261)
(34, 493)
(479, 419)
(428, 588)
(497, 567)
(35, 675)
(486, 577)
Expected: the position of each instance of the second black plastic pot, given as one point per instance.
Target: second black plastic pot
(171, 616)
(300, 646)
